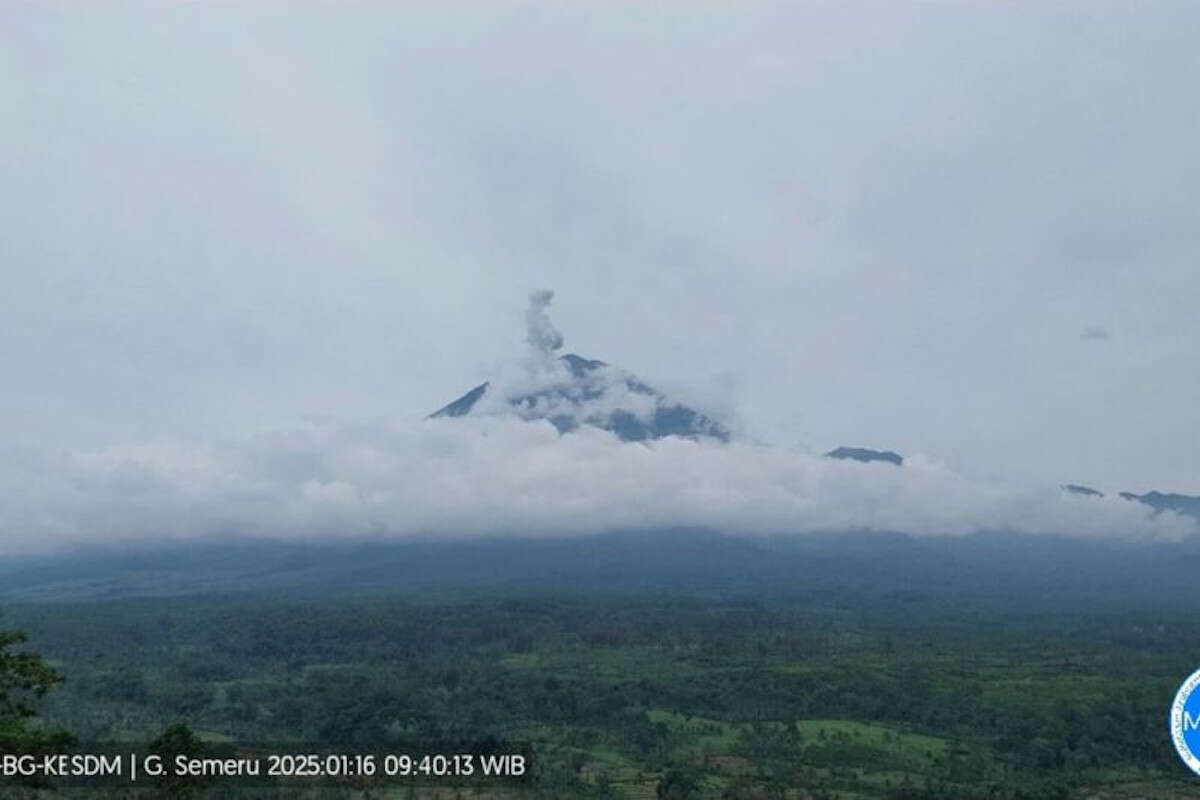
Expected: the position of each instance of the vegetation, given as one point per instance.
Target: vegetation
(24, 678)
(646, 695)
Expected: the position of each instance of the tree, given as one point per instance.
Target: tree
(677, 784)
(24, 678)
(178, 740)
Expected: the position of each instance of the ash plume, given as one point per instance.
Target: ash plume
(540, 332)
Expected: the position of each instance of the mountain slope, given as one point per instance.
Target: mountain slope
(582, 391)
(1160, 501)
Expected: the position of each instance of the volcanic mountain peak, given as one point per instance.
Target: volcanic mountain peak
(570, 391)
(590, 392)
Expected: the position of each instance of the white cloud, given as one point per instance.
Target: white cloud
(501, 475)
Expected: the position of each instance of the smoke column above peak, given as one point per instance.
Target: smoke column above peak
(540, 332)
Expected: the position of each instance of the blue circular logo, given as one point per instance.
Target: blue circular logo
(1185, 722)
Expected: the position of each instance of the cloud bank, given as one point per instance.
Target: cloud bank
(495, 475)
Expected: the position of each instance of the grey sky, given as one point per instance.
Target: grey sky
(882, 224)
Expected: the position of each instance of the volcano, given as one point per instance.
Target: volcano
(571, 391)
(583, 391)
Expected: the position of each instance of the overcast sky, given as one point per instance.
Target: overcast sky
(968, 230)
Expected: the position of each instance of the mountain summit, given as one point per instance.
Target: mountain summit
(866, 455)
(1160, 501)
(570, 391)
